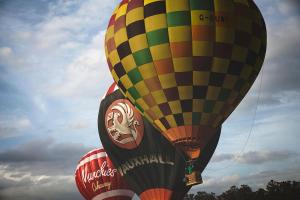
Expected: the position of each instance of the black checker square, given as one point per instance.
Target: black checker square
(187, 105)
(155, 8)
(124, 49)
(165, 122)
(119, 69)
(216, 79)
(235, 68)
(199, 92)
(121, 86)
(179, 119)
(135, 28)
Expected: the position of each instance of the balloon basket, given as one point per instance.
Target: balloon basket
(193, 178)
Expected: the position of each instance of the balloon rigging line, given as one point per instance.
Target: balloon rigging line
(251, 128)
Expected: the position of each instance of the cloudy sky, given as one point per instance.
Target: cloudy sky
(53, 73)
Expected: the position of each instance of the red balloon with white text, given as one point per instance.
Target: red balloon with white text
(97, 178)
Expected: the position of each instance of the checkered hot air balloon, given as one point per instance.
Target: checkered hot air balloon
(186, 64)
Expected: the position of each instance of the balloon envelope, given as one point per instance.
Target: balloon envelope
(97, 178)
(149, 163)
(186, 64)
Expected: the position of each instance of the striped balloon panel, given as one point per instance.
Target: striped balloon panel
(185, 62)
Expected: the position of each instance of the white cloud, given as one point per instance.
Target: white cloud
(86, 74)
(13, 126)
(5, 52)
(255, 157)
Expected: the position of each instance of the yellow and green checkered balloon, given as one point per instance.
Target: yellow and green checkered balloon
(186, 64)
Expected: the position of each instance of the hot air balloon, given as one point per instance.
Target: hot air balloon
(97, 178)
(186, 64)
(149, 163)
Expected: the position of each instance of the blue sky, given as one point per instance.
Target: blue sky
(53, 74)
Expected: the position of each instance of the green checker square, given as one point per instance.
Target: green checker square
(196, 118)
(179, 18)
(139, 107)
(134, 93)
(224, 94)
(158, 37)
(208, 106)
(135, 76)
(142, 57)
(201, 4)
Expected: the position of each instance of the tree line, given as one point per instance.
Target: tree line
(285, 190)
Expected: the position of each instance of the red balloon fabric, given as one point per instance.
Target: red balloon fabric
(97, 179)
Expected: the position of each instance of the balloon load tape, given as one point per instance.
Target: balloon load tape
(192, 177)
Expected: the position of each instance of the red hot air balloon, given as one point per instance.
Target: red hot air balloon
(97, 178)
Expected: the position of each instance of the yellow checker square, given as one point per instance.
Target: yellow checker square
(138, 43)
(220, 65)
(146, 2)
(128, 95)
(175, 107)
(180, 34)
(188, 118)
(158, 124)
(223, 5)
(171, 120)
(243, 24)
(246, 72)
(159, 97)
(121, 11)
(167, 80)
(230, 81)
(142, 88)
(198, 105)
(245, 2)
(201, 17)
(218, 107)
(114, 57)
(156, 22)
(177, 5)
(185, 92)
(203, 48)
(142, 103)
(239, 53)
(225, 35)
(245, 89)
(200, 78)
(106, 51)
(120, 36)
(255, 44)
(134, 15)
(213, 93)
(204, 118)
(183, 64)
(157, 111)
(126, 82)
(147, 71)
(114, 75)
(128, 63)
(110, 32)
(160, 52)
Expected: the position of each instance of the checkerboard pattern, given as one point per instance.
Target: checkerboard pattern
(185, 62)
